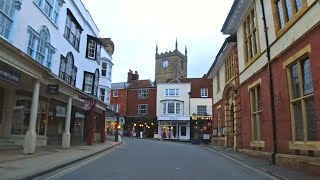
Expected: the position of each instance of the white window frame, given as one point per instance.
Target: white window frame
(116, 107)
(145, 109)
(173, 92)
(201, 106)
(143, 93)
(177, 108)
(87, 84)
(55, 6)
(204, 92)
(92, 46)
(8, 18)
(102, 96)
(104, 69)
(115, 93)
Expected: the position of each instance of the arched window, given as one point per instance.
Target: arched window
(96, 82)
(68, 71)
(39, 46)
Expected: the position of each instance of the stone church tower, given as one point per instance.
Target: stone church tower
(170, 65)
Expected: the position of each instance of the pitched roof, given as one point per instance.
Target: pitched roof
(141, 84)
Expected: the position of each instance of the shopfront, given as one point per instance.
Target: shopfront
(201, 127)
(174, 128)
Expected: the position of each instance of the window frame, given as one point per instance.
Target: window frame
(250, 21)
(229, 68)
(143, 93)
(204, 92)
(104, 70)
(140, 109)
(201, 106)
(87, 84)
(306, 144)
(256, 114)
(53, 14)
(115, 92)
(63, 69)
(175, 94)
(8, 16)
(288, 23)
(74, 38)
(165, 107)
(102, 96)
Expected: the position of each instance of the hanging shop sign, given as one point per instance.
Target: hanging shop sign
(9, 75)
(53, 89)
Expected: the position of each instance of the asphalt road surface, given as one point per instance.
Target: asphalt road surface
(140, 159)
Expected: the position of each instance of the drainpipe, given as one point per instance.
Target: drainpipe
(273, 118)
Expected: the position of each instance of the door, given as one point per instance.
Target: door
(184, 131)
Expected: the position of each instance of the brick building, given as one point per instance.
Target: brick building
(273, 109)
(134, 100)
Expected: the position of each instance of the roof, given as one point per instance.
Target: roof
(236, 13)
(120, 85)
(184, 80)
(135, 84)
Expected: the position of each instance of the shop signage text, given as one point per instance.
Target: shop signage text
(9, 75)
(53, 89)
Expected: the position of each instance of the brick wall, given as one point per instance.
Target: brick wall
(121, 100)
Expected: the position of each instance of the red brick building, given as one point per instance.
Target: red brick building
(141, 111)
(269, 104)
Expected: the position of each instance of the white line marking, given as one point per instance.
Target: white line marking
(244, 164)
(62, 173)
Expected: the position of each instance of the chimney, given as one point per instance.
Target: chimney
(136, 75)
(130, 76)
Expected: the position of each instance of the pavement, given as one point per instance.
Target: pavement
(141, 159)
(261, 165)
(15, 165)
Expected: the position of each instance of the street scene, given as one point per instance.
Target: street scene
(169, 89)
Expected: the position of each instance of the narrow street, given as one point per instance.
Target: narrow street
(140, 159)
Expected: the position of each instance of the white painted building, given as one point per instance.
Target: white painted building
(50, 42)
(173, 110)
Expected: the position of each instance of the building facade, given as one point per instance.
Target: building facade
(278, 115)
(50, 69)
(173, 110)
(170, 65)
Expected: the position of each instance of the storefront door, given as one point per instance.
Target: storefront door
(184, 131)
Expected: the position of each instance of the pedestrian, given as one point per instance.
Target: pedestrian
(141, 134)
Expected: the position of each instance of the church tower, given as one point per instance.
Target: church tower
(170, 65)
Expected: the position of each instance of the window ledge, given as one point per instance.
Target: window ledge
(257, 144)
(54, 24)
(252, 60)
(301, 145)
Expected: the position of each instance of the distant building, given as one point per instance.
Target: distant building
(170, 65)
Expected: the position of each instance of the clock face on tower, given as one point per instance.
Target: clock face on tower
(165, 63)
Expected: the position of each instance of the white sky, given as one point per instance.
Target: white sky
(135, 26)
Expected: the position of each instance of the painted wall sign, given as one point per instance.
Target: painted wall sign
(9, 75)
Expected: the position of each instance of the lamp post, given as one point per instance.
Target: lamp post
(117, 130)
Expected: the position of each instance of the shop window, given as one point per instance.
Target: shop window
(21, 116)
(183, 130)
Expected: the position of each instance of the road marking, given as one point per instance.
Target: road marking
(62, 173)
(246, 165)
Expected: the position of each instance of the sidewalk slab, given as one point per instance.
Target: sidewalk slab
(15, 165)
(264, 165)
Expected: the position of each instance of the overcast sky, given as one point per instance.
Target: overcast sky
(135, 26)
